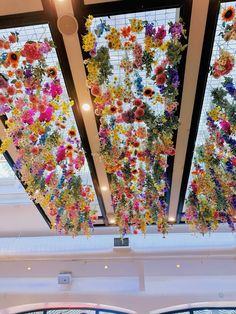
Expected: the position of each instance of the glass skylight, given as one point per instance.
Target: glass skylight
(38, 33)
(219, 43)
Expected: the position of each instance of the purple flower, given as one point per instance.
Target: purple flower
(128, 116)
(28, 73)
(174, 77)
(176, 30)
(150, 30)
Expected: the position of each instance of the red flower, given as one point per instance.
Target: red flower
(3, 99)
(161, 79)
(170, 151)
(137, 102)
(139, 113)
(11, 90)
(95, 90)
(31, 52)
(159, 69)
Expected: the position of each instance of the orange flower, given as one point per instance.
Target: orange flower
(18, 84)
(72, 132)
(51, 72)
(69, 147)
(13, 59)
(228, 14)
(148, 92)
(132, 38)
(125, 31)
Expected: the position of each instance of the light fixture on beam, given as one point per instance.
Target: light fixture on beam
(86, 107)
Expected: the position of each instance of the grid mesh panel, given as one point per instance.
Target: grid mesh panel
(158, 18)
(39, 33)
(219, 43)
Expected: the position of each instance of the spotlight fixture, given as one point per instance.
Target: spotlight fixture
(171, 219)
(106, 267)
(86, 107)
(104, 188)
(28, 268)
(177, 265)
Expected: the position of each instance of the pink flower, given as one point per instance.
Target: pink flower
(3, 99)
(27, 117)
(20, 103)
(161, 33)
(55, 88)
(45, 47)
(225, 125)
(46, 115)
(51, 179)
(3, 82)
(61, 154)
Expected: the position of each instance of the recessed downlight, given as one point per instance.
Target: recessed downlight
(29, 268)
(106, 267)
(177, 265)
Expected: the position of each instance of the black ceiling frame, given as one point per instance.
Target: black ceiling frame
(209, 36)
(129, 6)
(48, 16)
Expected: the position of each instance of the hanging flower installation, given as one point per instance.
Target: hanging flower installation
(49, 152)
(136, 102)
(212, 194)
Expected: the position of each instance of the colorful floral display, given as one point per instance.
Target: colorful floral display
(135, 98)
(49, 152)
(212, 194)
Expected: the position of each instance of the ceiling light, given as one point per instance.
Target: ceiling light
(112, 221)
(104, 188)
(178, 265)
(86, 107)
(171, 219)
(28, 268)
(106, 267)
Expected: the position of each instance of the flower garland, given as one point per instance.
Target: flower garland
(49, 152)
(137, 113)
(212, 194)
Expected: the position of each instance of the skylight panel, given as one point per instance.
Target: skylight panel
(39, 33)
(221, 152)
(134, 80)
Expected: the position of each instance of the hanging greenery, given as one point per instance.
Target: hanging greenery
(132, 73)
(49, 152)
(212, 193)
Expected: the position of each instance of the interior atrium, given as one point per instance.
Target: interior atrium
(117, 156)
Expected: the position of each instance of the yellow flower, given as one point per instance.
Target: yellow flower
(88, 41)
(5, 144)
(164, 46)
(89, 22)
(136, 25)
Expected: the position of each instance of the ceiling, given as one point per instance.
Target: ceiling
(13, 200)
